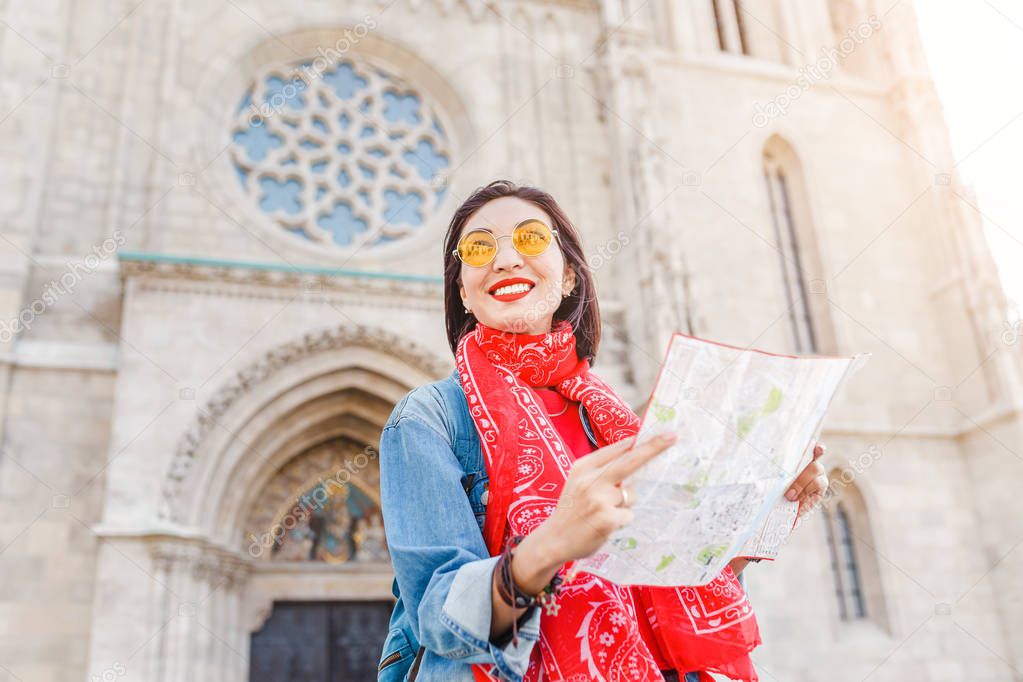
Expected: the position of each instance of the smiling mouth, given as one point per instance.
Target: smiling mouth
(519, 288)
(512, 292)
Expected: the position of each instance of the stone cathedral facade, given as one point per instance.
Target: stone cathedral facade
(221, 244)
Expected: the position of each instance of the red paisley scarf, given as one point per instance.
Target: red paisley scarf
(596, 634)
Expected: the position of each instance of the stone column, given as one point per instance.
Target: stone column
(177, 609)
(159, 607)
(729, 26)
(697, 30)
(196, 614)
(206, 627)
(795, 35)
(239, 635)
(216, 612)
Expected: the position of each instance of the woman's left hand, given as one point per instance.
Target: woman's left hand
(811, 483)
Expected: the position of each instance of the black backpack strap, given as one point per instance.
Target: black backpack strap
(584, 417)
(414, 670)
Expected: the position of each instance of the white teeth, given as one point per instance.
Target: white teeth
(512, 289)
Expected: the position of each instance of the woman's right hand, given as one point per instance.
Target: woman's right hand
(589, 509)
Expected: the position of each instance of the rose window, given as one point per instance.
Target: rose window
(344, 157)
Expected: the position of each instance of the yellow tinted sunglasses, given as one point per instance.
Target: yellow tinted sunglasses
(479, 247)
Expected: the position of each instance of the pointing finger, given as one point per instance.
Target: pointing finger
(620, 469)
(608, 453)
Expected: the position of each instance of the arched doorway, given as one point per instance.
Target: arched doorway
(320, 509)
(277, 550)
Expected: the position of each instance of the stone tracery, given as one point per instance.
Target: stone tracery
(343, 155)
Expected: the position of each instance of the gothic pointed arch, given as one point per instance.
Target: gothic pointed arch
(337, 383)
(799, 267)
(852, 552)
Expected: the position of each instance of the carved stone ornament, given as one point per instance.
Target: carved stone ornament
(157, 272)
(275, 360)
(207, 563)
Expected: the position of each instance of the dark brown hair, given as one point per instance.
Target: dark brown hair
(579, 307)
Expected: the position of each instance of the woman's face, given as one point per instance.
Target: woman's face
(547, 276)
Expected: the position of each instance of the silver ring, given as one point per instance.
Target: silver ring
(625, 498)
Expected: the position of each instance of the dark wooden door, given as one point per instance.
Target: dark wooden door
(319, 642)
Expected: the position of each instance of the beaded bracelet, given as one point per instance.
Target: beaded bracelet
(515, 597)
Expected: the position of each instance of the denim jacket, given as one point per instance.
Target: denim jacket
(433, 490)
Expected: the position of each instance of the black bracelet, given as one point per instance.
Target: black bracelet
(515, 597)
(506, 586)
(502, 641)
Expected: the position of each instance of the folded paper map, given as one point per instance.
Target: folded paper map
(746, 422)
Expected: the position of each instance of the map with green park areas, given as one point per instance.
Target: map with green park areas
(746, 421)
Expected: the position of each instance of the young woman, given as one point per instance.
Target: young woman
(496, 478)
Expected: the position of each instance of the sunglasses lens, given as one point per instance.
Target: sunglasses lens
(532, 238)
(477, 248)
